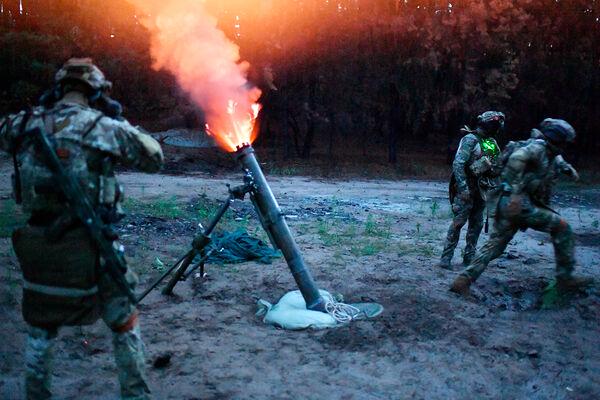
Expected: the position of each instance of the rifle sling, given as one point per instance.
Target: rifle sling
(15, 150)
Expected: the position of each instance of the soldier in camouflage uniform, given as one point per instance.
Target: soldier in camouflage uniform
(530, 169)
(474, 173)
(64, 283)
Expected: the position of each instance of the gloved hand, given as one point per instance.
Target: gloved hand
(572, 172)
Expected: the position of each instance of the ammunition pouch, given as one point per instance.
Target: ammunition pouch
(60, 277)
(481, 166)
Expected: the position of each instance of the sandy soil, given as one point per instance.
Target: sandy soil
(367, 240)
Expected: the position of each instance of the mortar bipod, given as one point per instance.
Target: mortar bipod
(200, 242)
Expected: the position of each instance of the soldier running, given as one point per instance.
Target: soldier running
(530, 170)
(64, 282)
(474, 173)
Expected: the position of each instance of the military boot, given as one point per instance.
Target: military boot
(461, 285)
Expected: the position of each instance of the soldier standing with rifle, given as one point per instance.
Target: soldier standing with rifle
(529, 171)
(474, 174)
(64, 154)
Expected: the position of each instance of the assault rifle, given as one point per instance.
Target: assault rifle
(114, 262)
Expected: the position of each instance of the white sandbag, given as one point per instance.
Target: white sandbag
(291, 313)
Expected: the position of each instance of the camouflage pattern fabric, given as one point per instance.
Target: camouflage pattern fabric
(465, 210)
(84, 138)
(469, 203)
(129, 356)
(527, 178)
(38, 363)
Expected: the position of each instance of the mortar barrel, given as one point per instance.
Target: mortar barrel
(278, 230)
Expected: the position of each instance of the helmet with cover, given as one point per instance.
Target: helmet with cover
(557, 131)
(491, 123)
(83, 70)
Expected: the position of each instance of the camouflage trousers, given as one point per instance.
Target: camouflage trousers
(520, 213)
(464, 210)
(128, 351)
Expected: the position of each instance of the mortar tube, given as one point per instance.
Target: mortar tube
(278, 230)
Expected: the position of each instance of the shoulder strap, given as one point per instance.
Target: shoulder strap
(15, 150)
(92, 125)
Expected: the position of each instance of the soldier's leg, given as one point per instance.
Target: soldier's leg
(38, 363)
(562, 238)
(121, 317)
(473, 230)
(502, 232)
(461, 210)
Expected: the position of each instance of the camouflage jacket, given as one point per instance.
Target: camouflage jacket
(474, 162)
(533, 170)
(88, 143)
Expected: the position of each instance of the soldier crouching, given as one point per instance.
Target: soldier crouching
(64, 279)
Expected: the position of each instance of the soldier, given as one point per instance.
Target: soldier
(473, 175)
(64, 283)
(530, 169)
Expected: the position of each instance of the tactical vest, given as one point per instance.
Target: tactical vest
(481, 162)
(91, 166)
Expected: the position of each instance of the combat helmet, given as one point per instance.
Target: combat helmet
(83, 70)
(491, 122)
(557, 131)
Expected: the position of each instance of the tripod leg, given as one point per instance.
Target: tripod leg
(179, 272)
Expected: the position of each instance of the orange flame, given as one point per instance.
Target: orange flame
(186, 41)
(240, 130)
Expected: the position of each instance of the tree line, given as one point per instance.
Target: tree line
(370, 77)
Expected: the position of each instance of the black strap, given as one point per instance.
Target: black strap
(92, 125)
(15, 150)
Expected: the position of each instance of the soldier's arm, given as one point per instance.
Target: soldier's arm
(563, 167)
(137, 149)
(463, 154)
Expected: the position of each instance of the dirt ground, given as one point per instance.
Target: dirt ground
(366, 239)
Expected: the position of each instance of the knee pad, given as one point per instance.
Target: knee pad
(128, 325)
(562, 227)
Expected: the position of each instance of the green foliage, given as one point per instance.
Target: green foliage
(369, 248)
(284, 171)
(434, 208)
(418, 75)
(381, 229)
(160, 207)
(333, 234)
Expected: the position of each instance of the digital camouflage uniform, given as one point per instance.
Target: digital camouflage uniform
(63, 279)
(527, 179)
(474, 173)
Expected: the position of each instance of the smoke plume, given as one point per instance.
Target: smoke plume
(186, 41)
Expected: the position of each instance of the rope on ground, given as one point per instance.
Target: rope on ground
(341, 312)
